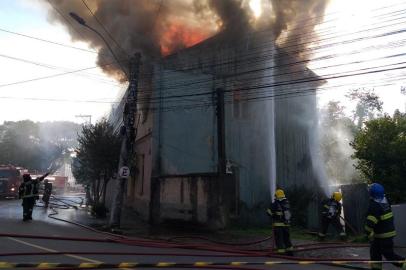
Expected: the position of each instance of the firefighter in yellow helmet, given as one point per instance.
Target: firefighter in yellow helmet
(281, 216)
(28, 191)
(331, 212)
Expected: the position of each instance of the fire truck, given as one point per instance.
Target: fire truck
(10, 180)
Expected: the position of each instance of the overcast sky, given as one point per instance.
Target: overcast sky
(89, 92)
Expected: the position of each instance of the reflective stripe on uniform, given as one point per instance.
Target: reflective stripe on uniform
(372, 218)
(386, 235)
(279, 224)
(376, 266)
(368, 229)
(281, 250)
(386, 216)
(279, 213)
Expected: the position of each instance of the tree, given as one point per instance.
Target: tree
(380, 148)
(96, 159)
(24, 144)
(368, 105)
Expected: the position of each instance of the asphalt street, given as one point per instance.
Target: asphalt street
(42, 225)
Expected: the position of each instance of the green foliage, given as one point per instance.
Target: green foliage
(97, 158)
(380, 148)
(35, 145)
(368, 105)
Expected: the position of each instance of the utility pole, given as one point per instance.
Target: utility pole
(217, 200)
(221, 141)
(128, 132)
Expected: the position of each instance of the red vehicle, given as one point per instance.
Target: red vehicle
(10, 180)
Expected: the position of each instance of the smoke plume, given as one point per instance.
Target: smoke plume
(157, 27)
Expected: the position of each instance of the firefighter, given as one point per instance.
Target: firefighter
(380, 228)
(47, 192)
(331, 212)
(28, 191)
(281, 217)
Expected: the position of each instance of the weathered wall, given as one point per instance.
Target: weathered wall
(400, 223)
(238, 68)
(184, 198)
(186, 136)
(267, 139)
(355, 204)
(296, 121)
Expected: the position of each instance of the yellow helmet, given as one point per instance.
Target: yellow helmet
(279, 194)
(337, 196)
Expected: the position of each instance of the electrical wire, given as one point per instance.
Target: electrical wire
(96, 77)
(256, 71)
(104, 28)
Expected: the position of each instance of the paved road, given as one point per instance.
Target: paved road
(11, 222)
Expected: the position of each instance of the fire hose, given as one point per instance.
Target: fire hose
(218, 247)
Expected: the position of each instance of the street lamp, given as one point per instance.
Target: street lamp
(81, 21)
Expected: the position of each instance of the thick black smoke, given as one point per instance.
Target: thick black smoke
(156, 27)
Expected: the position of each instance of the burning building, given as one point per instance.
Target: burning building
(190, 163)
(269, 117)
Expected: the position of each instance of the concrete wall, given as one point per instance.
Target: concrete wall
(184, 198)
(400, 223)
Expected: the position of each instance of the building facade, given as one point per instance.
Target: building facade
(269, 117)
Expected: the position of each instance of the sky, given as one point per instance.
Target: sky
(64, 97)
(84, 93)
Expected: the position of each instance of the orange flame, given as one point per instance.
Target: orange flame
(177, 36)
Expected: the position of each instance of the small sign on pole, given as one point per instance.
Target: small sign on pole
(124, 172)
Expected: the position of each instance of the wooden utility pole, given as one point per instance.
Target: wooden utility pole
(221, 140)
(127, 145)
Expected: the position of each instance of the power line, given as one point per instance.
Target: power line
(257, 71)
(58, 100)
(104, 28)
(47, 41)
(87, 75)
(54, 75)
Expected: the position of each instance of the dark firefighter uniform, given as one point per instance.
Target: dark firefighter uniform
(281, 215)
(330, 214)
(380, 229)
(47, 192)
(28, 191)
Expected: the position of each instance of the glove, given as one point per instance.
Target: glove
(269, 212)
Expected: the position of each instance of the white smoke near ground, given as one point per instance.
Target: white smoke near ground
(331, 149)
